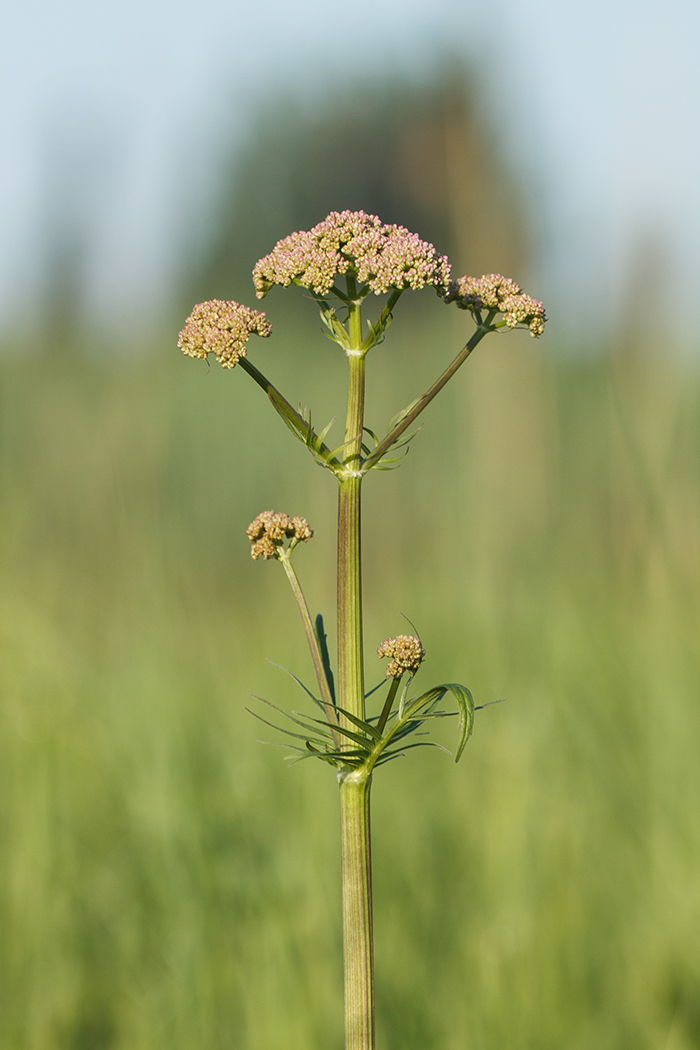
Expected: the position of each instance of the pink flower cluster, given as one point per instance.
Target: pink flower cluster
(382, 256)
(269, 530)
(223, 329)
(494, 292)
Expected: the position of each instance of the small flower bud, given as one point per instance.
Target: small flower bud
(269, 530)
(406, 654)
(494, 292)
(223, 329)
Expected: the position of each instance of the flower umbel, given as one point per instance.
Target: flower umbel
(406, 654)
(269, 531)
(494, 292)
(223, 329)
(382, 257)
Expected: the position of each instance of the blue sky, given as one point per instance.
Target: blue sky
(111, 117)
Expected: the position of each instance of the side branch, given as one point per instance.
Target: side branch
(425, 400)
(316, 656)
(296, 422)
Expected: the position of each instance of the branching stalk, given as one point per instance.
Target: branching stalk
(323, 683)
(427, 397)
(388, 704)
(291, 417)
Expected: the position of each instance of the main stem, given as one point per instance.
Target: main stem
(358, 943)
(356, 864)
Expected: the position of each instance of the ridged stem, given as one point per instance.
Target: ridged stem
(358, 952)
(351, 686)
(358, 947)
(351, 681)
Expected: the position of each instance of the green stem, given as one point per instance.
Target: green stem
(351, 679)
(388, 704)
(358, 947)
(427, 397)
(351, 685)
(377, 329)
(358, 952)
(294, 420)
(323, 684)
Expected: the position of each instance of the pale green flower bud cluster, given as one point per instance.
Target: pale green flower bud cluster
(406, 654)
(269, 531)
(382, 257)
(223, 329)
(494, 292)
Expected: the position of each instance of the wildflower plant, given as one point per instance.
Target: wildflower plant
(341, 262)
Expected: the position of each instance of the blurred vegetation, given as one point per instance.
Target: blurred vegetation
(166, 881)
(424, 154)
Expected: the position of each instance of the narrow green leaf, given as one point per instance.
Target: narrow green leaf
(414, 705)
(325, 658)
(369, 729)
(407, 730)
(322, 436)
(374, 689)
(395, 420)
(363, 741)
(302, 721)
(280, 743)
(323, 758)
(465, 703)
(279, 729)
(388, 755)
(297, 680)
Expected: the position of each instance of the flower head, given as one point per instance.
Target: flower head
(269, 531)
(406, 654)
(494, 292)
(382, 257)
(221, 328)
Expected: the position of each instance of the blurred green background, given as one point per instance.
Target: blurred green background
(166, 881)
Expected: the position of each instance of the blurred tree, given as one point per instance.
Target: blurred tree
(422, 154)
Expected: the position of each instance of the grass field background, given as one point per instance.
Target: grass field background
(167, 883)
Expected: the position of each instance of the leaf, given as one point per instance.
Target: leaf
(363, 741)
(490, 703)
(465, 706)
(301, 429)
(325, 658)
(374, 689)
(465, 702)
(388, 755)
(406, 730)
(341, 448)
(303, 721)
(279, 729)
(322, 436)
(279, 743)
(297, 680)
(369, 729)
(395, 420)
(334, 326)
